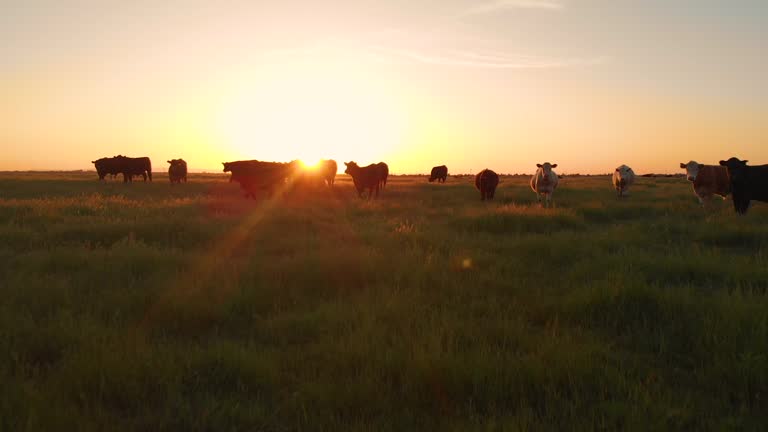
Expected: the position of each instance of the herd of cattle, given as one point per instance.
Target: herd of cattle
(732, 177)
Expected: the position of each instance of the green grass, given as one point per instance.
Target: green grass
(188, 307)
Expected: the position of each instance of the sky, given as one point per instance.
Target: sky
(473, 84)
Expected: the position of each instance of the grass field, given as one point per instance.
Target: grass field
(159, 307)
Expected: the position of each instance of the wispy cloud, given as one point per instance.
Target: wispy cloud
(332, 49)
(504, 5)
(477, 59)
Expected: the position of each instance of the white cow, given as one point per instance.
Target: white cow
(623, 178)
(544, 182)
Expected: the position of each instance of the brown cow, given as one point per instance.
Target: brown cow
(368, 177)
(486, 182)
(177, 171)
(708, 180)
(439, 173)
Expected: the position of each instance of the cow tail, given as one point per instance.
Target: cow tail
(149, 169)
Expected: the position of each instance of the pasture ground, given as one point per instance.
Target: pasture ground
(188, 307)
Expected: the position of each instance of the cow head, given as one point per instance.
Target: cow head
(624, 171)
(736, 169)
(546, 167)
(351, 166)
(691, 170)
(227, 166)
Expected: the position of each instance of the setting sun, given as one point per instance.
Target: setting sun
(309, 165)
(310, 114)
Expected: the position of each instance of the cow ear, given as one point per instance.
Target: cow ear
(538, 165)
(723, 163)
(93, 162)
(744, 162)
(682, 165)
(346, 163)
(554, 166)
(169, 162)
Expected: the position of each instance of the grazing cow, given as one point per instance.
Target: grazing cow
(258, 176)
(327, 169)
(747, 183)
(135, 166)
(486, 182)
(177, 171)
(368, 177)
(544, 183)
(439, 173)
(623, 178)
(383, 173)
(124, 165)
(106, 166)
(708, 180)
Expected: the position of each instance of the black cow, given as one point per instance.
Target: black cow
(486, 182)
(177, 171)
(327, 169)
(124, 165)
(747, 183)
(369, 177)
(439, 173)
(106, 166)
(135, 166)
(258, 176)
(383, 173)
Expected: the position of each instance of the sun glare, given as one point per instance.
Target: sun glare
(309, 165)
(311, 116)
